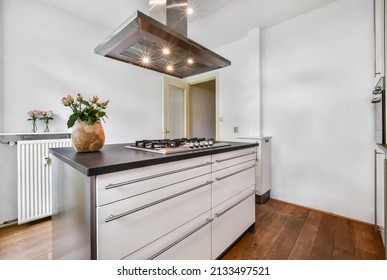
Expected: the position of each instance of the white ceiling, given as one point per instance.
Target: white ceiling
(218, 22)
(215, 22)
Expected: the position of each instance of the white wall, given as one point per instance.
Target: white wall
(1, 62)
(318, 78)
(240, 88)
(49, 52)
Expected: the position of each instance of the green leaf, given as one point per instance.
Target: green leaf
(100, 114)
(86, 103)
(72, 119)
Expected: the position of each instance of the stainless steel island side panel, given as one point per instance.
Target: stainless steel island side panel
(73, 219)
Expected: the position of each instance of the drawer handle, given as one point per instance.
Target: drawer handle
(111, 186)
(115, 217)
(181, 239)
(232, 206)
(232, 174)
(230, 158)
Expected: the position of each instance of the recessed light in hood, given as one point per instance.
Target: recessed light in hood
(145, 42)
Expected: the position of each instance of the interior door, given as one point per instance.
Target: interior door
(204, 111)
(175, 109)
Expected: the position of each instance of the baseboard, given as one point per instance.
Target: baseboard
(324, 212)
(9, 223)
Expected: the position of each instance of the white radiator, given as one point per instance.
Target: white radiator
(34, 178)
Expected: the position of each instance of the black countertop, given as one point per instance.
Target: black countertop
(115, 157)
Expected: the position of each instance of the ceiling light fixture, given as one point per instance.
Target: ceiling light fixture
(145, 60)
(166, 51)
(190, 11)
(164, 28)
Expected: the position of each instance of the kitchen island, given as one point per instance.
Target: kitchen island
(128, 204)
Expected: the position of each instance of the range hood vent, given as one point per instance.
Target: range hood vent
(146, 42)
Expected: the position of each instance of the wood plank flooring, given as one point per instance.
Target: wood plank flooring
(27, 241)
(283, 231)
(286, 231)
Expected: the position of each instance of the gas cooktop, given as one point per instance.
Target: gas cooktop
(171, 146)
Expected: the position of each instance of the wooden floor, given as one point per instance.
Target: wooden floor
(289, 232)
(26, 242)
(283, 231)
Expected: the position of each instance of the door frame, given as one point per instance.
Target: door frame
(187, 83)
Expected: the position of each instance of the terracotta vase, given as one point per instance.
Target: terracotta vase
(87, 138)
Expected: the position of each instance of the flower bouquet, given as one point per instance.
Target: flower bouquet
(88, 134)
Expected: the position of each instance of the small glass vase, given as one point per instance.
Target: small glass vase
(46, 128)
(34, 127)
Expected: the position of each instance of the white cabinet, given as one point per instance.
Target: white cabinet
(232, 218)
(124, 227)
(189, 209)
(232, 197)
(131, 183)
(183, 209)
(149, 203)
(191, 241)
(263, 168)
(380, 157)
(234, 172)
(229, 159)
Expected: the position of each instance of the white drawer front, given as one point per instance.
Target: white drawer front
(119, 185)
(127, 232)
(192, 241)
(231, 219)
(226, 160)
(231, 181)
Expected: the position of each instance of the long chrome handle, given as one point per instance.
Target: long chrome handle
(376, 153)
(111, 186)
(180, 239)
(230, 158)
(218, 214)
(234, 173)
(115, 217)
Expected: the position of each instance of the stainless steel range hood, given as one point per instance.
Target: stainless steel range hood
(143, 41)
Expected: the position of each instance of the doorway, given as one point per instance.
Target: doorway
(190, 108)
(203, 109)
(175, 109)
